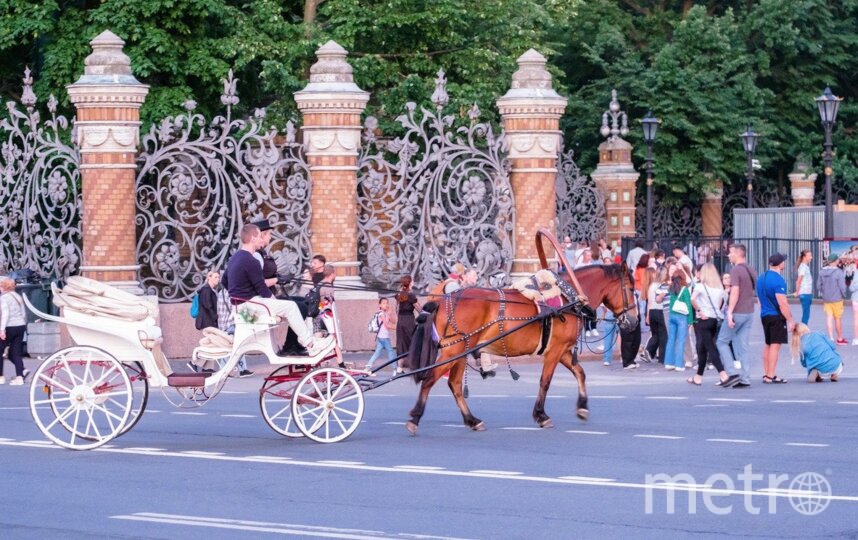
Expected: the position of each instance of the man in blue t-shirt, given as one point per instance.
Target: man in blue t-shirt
(775, 314)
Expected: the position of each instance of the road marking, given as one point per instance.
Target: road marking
(394, 423)
(202, 453)
(238, 415)
(791, 492)
(583, 432)
(19, 408)
(666, 397)
(338, 462)
(732, 400)
(674, 485)
(152, 411)
(292, 529)
(711, 405)
(522, 428)
(419, 467)
(454, 425)
(268, 458)
(490, 396)
(462, 474)
(738, 441)
(607, 397)
(587, 478)
(37, 443)
(501, 473)
(668, 437)
(811, 445)
(548, 397)
(847, 402)
(793, 401)
(189, 413)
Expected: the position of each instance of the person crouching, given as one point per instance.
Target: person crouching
(817, 353)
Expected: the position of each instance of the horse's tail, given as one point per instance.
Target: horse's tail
(424, 348)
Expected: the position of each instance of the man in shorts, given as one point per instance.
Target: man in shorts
(775, 315)
(832, 287)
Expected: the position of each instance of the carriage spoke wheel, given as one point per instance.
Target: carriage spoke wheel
(275, 402)
(81, 398)
(327, 405)
(140, 389)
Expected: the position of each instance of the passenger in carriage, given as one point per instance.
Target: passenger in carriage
(307, 295)
(246, 282)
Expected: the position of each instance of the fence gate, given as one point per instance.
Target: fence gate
(580, 206)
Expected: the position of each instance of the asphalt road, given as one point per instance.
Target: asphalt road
(219, 471)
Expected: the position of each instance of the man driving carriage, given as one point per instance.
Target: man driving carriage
(246, 283)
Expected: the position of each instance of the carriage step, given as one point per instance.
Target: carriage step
(178, 380)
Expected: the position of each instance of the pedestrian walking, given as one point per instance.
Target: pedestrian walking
(832, 287)
(817, 353)
(680, 316)
(656, 316)
(708, 300)
(804, 284)
(733, 338)
(384, 324)
(853, 297)
(207, 317)
(13, 325)
(640, 286)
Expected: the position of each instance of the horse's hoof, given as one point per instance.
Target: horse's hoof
(547, 423)
(479, 427)
(411, 427)
(583, 414)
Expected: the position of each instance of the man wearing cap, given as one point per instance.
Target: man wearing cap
(775, 314)
(269, 265)
(832, 287)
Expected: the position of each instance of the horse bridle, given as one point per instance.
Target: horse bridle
(622, 317)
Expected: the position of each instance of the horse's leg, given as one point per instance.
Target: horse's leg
(582, 411)
(419, 407)
(455, 384)
(549, 364)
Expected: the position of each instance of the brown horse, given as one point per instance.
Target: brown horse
(473, 316)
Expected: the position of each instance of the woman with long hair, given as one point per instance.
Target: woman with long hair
(804, 283)
(655, 315)
(405, 324)
(708, 300)
(817, 353)
(680, 315)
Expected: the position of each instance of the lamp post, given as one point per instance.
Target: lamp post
(828, 104)
(650, 126)
(749, 141)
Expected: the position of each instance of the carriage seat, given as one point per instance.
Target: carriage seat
(214, 346)
(190, 379)
(150, 337)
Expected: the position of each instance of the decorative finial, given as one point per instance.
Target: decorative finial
(439, 96)
(619, 125)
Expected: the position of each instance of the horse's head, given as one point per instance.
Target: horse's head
(613, 286)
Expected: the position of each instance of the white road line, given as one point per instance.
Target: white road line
(394, 423)
(338, 462)
(792, 492)
(738, 441)
(711, 405)
(810, 445)
(133, 449)
(17, 408)
(238, 415)
(500, 473)
(682, 485)
(291, 529)
(548, 397)
(489, 396)
(454, 425)
(847, 402)
(448, 473)
(793, 401)
(38, 443)
(666, 397)
(607, 397)
(668, 437)
(152, 411)
(587, 478)
(583, 432)
(202, 453)
(522, 428)
(189, 413)
(732, 400)
(419, 467)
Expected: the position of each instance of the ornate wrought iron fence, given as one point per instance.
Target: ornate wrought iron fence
(198, 181)
(39, 190)
(680, 220)
(580, 206)
(435, 196)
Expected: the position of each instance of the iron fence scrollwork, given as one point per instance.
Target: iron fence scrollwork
(580, 205)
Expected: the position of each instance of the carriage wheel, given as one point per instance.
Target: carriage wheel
(275, 402)
(140, 388)
(327, 405)
(81, 398)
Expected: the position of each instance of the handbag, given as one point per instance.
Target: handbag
(719, 320)
(679, 306)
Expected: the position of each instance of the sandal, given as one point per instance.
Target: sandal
(768, 380)
(690, 380)
(778, 380)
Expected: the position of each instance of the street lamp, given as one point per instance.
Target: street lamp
(749, 141)
(650, 126)
(828, 104)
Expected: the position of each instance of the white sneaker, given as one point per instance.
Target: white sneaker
(2, 379)
(680, 368)
(17, 381)
(587, 333)
(670, 368)
(595, 333)
(606, 363)
(688, 364)
(855, 341)
(600, 347)
(319, 345)
(631, 366)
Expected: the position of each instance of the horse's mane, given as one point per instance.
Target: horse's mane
(611, 271)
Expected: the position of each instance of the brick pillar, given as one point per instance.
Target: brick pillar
(713, 210)
(331, 105)
(802, 181)
(531, 112)
(108, 99)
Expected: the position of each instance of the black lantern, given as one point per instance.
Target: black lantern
(749, 141)
(828, 104)
(650, 127)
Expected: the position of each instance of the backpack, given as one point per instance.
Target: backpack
(195, 305)
(375, 323)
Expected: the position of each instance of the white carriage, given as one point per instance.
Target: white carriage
(85, 395)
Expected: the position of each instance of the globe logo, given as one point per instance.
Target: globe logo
(813, 492)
